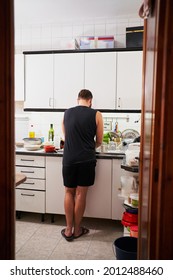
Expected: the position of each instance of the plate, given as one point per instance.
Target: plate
(130, 134)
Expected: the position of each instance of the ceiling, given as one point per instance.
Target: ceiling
(38, 11)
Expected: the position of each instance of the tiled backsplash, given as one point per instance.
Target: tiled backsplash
(42, 120)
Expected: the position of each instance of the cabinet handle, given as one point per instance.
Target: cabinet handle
(27, 159)
(26, 171)
(25, 194)
(29, 183)
(119, 102)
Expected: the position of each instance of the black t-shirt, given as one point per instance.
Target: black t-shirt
(80, 130)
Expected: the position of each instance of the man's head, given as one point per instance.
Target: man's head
(85, 96)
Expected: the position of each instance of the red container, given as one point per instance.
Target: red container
(134, 231)
(49, 148)
(131, 218)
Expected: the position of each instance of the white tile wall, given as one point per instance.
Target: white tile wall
(42, 120)
(57, 35)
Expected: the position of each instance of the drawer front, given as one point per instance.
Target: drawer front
(33, 184)
(30, 201)
(31, 172)
(30, 160)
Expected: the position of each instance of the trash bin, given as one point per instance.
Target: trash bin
(125, 248)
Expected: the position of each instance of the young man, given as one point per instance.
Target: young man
(83, 132)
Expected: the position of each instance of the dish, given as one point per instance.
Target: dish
(32, 141)
(32, 147)
(130, 134)
(19, 144)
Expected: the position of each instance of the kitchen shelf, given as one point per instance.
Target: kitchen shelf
(130, 168)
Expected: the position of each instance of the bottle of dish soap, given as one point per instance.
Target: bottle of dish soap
(31, 132)
(51, 134)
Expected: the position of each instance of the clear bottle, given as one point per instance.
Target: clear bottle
(51, 134)
(31, 132)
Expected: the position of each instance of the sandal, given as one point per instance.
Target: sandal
(83, 231)
(68, 238)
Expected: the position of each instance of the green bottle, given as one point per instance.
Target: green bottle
(51, 133)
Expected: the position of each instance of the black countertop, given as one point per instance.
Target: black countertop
(41, 152)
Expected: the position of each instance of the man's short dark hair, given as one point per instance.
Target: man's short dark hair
(85, 94)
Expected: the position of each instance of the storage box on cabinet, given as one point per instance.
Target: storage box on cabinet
(31, 195)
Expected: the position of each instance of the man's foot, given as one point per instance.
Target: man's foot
(68, 238)
(82, 231)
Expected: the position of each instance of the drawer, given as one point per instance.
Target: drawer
(33, 184)
(30, 201)
(31, 172)
(30, 160)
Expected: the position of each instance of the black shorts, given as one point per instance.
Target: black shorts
(79, 174)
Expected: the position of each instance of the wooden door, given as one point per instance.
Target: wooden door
(7, 130)
(156, 173)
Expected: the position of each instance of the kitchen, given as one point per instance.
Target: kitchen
(41, 120)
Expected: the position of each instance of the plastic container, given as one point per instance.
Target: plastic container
(125, 248)
(129, 217)
(31, 132)
(134, 199)
(134, 231)
(49, 148)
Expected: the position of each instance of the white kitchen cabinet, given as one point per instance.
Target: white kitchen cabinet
(98, 203)
(19, 77)
(117, 172)
(54, 186)
(68, 78)
(129, 80)
(31, 195)
(98, 198)
(100, 78)
(38, 81)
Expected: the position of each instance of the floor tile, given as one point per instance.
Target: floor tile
(38, 240)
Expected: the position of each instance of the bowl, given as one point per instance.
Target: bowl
(32, 141)
(19, 144)
(129, 217)
(32, 147)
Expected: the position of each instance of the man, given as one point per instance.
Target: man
(83, 132)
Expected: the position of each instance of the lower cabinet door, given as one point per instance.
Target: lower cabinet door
(30, 201)
(98, 204)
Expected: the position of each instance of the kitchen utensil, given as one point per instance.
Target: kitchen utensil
(49, 148)
(32, 141)
(129, 217)
(19, 144)
(134, 231)
(32, 147)
(129, 133)
(134, 199)
(130, 209)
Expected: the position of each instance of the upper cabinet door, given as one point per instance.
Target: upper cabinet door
(129, 80)
(68, 79)
(100, 78)
(39, 81)
(19, 77)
